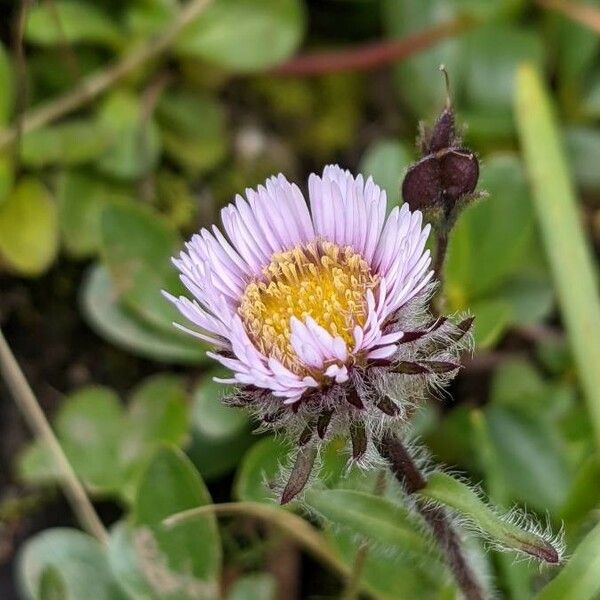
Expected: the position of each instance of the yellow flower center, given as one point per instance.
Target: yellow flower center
(320, 280)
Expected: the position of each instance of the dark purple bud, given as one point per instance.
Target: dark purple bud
(300, 474)
(424, 367)
(446, 173)
(411, 336)
(462, 329)
(353, 398)
(323, 423)
(422, 187)
(443, 134)
(459, 172)
(440, 366)
(358, 435)
(274, 416)
(388, 407)
(406, 367)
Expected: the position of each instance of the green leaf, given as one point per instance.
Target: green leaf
(78, 559)
(148, 17)
(157, 414)
(70, 143)
(492, 317)
(137, 246)
(416, 77)
(386, 161)
(28, 228)
(135, 147)
(259, 466)
(158, 409)
(90, 427)
(193, 130)
(81, 199)
(582, 145)
(52, 586)
(232, 33)
(580, 578)
(530, 298)
(480, 258)
(72, 22)
(6, 85)
(6, 175)
(373, 517)
(258, 586)
(584, 495)
(575, 49)
(189, 554)
(35, 465)
(558, 215)
(221, 434)
(530, 456)
(489, 73)
(135, 563)
(390, 575)
(448, 491)
(118, 325)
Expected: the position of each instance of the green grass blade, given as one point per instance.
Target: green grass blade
(568, 252)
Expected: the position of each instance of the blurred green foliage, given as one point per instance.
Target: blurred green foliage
(118, 184)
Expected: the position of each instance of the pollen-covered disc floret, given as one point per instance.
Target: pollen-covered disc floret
(294, 298)
(320, 282)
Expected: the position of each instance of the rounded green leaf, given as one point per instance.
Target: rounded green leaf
(260, 465)
(258, 586)
(245, 35)
(7, 175)
(135, 147)
(35, 465)
(71, 21)
(81, 198)
(157, 414)
(137, 246)
(28, 228)
(70, 143)
(118, 325)
(491, 55)
(193, 130)
(386, 161)
(52, 586)
(90, 426)
(221, 434)
(78, 559)
(188, 554)
(6, 85)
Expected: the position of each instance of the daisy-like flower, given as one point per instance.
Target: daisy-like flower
(319, 313)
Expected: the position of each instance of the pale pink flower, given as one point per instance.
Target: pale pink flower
(294, 298)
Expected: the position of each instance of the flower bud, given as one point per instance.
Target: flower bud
(447, 171)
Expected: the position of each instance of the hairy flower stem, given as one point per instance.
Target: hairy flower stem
(410, 477)
(440, 254)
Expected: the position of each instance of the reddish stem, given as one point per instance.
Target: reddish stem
(371, 55)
